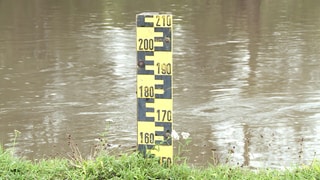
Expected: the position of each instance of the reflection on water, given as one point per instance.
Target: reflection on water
(246, 78)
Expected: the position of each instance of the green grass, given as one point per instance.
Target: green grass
(133, 166)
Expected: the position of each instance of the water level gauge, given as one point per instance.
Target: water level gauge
(154, 85)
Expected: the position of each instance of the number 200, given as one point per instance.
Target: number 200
(145, 44)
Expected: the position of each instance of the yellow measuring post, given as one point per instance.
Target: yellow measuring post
(154, 86)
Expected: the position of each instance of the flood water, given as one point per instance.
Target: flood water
(246, 77)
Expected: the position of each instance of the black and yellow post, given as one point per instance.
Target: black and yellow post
(154, 85)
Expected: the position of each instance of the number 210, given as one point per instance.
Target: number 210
(164, 20)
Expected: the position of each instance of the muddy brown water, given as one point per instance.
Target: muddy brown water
(246, 77)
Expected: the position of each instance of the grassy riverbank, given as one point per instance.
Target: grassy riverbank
(132, 166)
